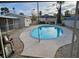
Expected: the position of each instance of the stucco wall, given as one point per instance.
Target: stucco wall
(22, 20)
(71, 22)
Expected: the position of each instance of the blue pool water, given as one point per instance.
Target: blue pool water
(46, 32)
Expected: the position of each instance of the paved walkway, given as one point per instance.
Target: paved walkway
(62, 52)
(46, 48)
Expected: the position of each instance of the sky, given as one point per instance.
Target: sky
(46, 7)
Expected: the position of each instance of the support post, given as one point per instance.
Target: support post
(7, 25)
(13, 24)
(77, 34)
(2, 44)
(74, 29)
(38, 18)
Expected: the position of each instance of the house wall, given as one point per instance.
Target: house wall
(13, 23)
(48, 19)
(70, 23)
(16, 24)
(10, 22)
(3, 25)
(21, 22)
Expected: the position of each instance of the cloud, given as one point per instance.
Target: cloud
(45, 7)
(52, 7)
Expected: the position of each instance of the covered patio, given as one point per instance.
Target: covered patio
(8, 23)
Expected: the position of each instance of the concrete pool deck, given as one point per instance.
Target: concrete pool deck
(46, 48)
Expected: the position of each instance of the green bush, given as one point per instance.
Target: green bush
(62, 18)
(34, 18)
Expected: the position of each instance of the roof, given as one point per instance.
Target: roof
(15, 15)
(47, 16)
(71, 18)
(11, 17)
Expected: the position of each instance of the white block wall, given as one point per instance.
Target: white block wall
(71, 22)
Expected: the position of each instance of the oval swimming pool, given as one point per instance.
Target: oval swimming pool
(46, 32)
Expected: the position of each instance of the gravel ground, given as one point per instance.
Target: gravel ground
(18, 45)
(62, 52)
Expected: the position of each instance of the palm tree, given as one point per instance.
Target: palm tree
(13, 10)
(4, 10)
(59, 12)
(40, 13)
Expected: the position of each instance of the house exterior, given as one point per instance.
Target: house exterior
(47, 18)
(7, 23)
(69, 21)
(11, 21)
(21, 22)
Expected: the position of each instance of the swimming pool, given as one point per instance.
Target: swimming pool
(46, 32)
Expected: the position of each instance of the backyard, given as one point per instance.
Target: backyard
(31, 31)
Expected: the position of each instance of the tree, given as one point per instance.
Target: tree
(4, 10)
(55, 14)
(40, 13)
(67, 13)
(21, 13)
(13, 10)
(33, 18)
(59, 12)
